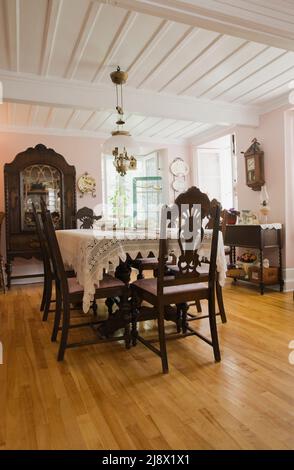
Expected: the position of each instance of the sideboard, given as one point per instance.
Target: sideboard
(259, 237)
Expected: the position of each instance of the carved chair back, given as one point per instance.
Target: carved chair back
(54, 250)
(43, 243)
(190, 208)
(86, 216)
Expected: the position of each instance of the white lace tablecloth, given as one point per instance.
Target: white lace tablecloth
(90, 252)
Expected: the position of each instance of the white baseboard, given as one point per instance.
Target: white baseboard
(288, 275)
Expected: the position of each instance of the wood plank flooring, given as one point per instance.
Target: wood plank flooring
(104, 397)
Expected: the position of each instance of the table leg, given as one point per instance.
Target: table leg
(122, 317)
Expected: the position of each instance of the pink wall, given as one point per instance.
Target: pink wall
(85, 154)
(276, 136)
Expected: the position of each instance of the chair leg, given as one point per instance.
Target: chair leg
(109, 304)
(184, 308)
(64, 332)
(198, 306)
(2, 276)
(213, 328)
(162, 341)
(136, 304)
(140, 274)
(48, 297)
(179, 318)
(58, 308)
(43, 301)
(95, 308)
(220, 301)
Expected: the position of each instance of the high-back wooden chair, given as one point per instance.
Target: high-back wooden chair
(186, 284)
(69, 291)
(48, 269)
(2, 274)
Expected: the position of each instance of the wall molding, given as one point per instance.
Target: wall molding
(288, 275)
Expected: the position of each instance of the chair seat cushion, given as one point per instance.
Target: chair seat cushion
(108, 282)
(73, 286)
(150, 286)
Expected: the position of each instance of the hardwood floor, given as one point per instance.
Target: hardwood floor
(105, 397)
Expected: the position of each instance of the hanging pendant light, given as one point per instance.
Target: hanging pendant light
(121, 145)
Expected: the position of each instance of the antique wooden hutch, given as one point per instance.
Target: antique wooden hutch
(37, 172)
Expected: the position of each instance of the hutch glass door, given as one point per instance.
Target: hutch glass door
(36, 182)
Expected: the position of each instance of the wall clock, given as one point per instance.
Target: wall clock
(86, 185)
(179, 167)
(254, 166)
(179, 185)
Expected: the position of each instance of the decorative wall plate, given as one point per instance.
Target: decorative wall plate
(87, 184)
(179, 185)
(179, 167)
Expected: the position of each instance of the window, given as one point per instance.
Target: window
(136, 197)
(216, 170)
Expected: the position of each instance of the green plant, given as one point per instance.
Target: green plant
(119, 202)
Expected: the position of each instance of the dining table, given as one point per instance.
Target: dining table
(93, 252)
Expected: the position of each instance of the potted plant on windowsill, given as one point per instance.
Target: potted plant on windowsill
(232, 215)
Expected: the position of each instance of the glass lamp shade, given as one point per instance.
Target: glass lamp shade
(122, 140)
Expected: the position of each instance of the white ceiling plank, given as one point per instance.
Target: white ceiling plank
(6, 60)
(221, 61)
(156, 128)
(225, 68)
(216, 78)
(207, 14)
(272, 5)
(144, 125)
(170, 55)
(95, 120)
(153, 43)
(21, 114)
(90, 119)
(80, 117)
(197, 46)
(189, 130)
(259, 8)
(104, 117)
(49, 119)
(47, 91)
(88, 26)
(266, 57)
(52, 21)
(266, 73)
(11, 10)
(10, 114)
(41, 116)
(73, 115)
(32, 115)
(220, 49)
(270, 85)
(125, 26)
(4, 114)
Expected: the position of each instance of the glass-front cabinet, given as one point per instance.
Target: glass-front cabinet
(40, 181)
(36, 173)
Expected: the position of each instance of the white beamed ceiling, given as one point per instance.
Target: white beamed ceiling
(82, 41)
